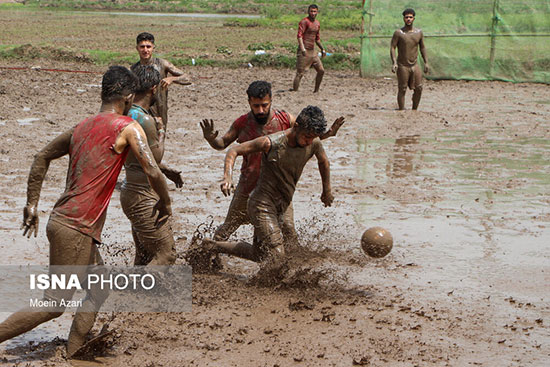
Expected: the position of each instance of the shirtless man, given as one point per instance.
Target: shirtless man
(97, 148)
(154, 244)
(407, 40)
(145, 47)
(308, 36)
(284, 155)
(261, 120)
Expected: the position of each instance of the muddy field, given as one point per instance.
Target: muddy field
(462, 184)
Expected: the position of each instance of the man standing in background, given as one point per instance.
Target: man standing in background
(145, 45)
(308, 36)
(407, 40)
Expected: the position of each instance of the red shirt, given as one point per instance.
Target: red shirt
(248, 129)
(93, 171)
(309, 32)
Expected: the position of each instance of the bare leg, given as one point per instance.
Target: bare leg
(243, 250)
(416, 97)
(85, 315)
(67, 247)
(319, 77)
(401, 98)
(237, 215)
(296, 83)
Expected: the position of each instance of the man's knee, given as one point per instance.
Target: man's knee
(402, 89)
(320, 72)
(418, 89)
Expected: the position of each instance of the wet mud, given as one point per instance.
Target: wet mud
(461, 184)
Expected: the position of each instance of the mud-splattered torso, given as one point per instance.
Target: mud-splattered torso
(92, 175)
(407, 46)
(281, 169)
(248, 129)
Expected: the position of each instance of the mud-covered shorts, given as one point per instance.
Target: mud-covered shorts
(410, 76)
(303, 63)
(151, 242)
(269, 220)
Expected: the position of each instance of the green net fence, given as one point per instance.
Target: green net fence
(465, 39)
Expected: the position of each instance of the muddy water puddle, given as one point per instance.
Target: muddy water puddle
(470, 208)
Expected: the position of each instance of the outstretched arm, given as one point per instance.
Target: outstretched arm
(324, 170)
(178, 76)
(336, 125)
(211, 136)
(261, 144)
(55, 149)
(423, 53)
(134, 136)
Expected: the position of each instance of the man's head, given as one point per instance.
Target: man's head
(259, 99)
(310, 124)
(149, 79)
(119, 83)
(312, 11)
(145, 44)
(408, 16)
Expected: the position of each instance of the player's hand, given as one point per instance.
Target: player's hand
(327, 198)
(208, 132)
(303, 52)
(174, 176)
(164, 83)
(162, 212)
(323, 53)
(30, 221)
(227, 187)
(426, 68)
(394, 68)
(336, 125)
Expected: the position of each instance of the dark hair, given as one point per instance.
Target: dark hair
(145, 36)
(118, 82)
(312, 119)
(409, 11)
(312, 6)
(147, 76)
(259, 89)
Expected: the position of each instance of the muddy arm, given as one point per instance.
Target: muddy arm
(211, 136)
(324, 170)
(55, 149)
(393, 45)
(178, 76)
(423, 53)
(261, 144)
(336, 125)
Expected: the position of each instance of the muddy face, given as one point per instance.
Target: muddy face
(260, 107)
(145, 50)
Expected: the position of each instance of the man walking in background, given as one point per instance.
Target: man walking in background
(407, 40)
(308, 36)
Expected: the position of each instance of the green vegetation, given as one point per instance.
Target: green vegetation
(35, 32)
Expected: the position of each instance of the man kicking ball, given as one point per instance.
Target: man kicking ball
(284, 155)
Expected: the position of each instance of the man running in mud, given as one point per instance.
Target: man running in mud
(97, 149)
(308, 36)
(284, 155)
(154, 244)
(407, 40)
(260, 121)
(145, 45)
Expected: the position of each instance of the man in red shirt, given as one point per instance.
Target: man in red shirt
(97, 149)
(308, 36)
